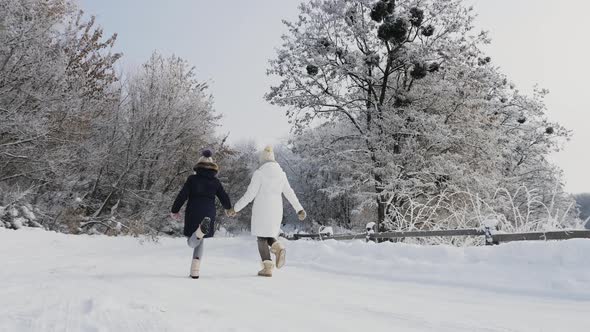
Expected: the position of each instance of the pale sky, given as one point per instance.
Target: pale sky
(542, 42)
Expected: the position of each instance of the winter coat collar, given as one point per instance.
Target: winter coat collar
(206, 165)
(267, 162)
(205, 172)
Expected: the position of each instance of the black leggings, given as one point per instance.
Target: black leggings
(263, 247)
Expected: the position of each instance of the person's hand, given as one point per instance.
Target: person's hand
(230, 213)
(302, 215)
(175, 216)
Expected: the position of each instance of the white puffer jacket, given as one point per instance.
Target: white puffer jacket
(268, 183)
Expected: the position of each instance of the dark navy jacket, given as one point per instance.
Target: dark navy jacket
(200, 190)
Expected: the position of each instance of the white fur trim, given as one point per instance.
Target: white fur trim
(267, 267)
(276, 247)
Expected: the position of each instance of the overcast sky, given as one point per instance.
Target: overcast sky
(534, 41)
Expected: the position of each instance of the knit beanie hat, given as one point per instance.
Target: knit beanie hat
(206, 161)
(267, 154)
(206, 157)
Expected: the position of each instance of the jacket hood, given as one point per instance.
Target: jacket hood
(271, 169)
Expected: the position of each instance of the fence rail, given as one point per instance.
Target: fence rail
(452, 232)
(332, 237)
(543, 236)
(491, 236)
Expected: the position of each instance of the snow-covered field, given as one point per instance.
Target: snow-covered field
(56, 282)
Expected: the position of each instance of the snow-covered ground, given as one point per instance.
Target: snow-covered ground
(56, 282)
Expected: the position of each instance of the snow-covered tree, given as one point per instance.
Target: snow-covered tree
(57, 81)
(236, 166)
(397, 103)
(83, 147)
(165, 120)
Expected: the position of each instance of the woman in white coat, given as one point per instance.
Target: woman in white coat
(266, 188)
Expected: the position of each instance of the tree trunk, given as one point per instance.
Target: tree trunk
(380, 204)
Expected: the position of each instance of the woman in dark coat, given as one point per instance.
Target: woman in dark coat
(200, 190)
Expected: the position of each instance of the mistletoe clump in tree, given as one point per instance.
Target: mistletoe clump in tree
(404, 107)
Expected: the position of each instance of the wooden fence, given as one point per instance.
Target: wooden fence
(491, 236)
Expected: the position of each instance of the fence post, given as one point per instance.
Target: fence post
(376, 232)
(370, 231)
(489, 236)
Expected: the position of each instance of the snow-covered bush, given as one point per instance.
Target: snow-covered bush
(18, 216)
(469, 210)
(326, 230)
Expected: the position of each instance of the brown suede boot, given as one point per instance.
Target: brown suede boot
(267, 267)
(195, 266)
(278, 249)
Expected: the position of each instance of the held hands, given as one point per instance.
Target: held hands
(230, 213)
(301, 215)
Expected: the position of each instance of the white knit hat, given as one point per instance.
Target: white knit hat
(267, 154)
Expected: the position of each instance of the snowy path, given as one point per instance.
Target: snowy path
(54, 282)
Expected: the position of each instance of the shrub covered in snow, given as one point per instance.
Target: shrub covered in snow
(18, 216)
(326, 230)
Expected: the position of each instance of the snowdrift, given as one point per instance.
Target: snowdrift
(552, 268)
(58, 282)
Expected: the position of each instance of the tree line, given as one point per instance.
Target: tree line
(399, 118)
